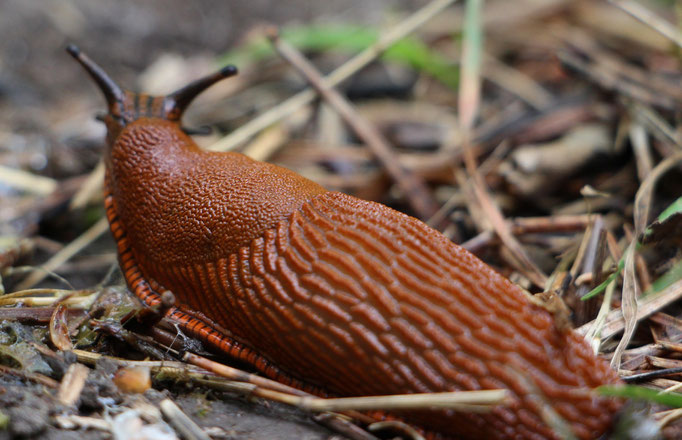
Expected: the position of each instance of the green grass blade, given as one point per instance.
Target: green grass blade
(348, 39)
(641, 393)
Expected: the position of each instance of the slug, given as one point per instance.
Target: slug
(328, 292)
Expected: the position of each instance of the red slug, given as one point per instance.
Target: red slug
(327, 292)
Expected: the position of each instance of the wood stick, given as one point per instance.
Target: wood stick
(416, 192)
(335, 78)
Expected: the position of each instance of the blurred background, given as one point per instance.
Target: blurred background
(579, 105)
(43, 93)
(559, 79)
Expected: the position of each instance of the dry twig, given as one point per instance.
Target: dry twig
(631, 289)
(335, 78)
(414, 189)
(33, 377)
(181, 422)
(26, 181)
(91, 187)
(72, 384)
(649, 18)
(65, 254)
(469, 98)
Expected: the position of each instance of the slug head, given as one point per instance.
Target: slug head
(126, 106)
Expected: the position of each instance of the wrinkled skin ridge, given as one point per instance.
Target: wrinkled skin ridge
(345, 295)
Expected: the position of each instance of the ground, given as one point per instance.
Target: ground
(578, 114)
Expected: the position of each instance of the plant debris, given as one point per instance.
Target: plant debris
(545, 139)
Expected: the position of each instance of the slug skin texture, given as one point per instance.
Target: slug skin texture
(330, 293)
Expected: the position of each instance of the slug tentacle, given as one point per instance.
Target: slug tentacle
(126, 107)
(112, 92)
(178, 101)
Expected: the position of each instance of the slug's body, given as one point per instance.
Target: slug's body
(328, 292)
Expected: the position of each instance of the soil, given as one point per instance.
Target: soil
(30, 408)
